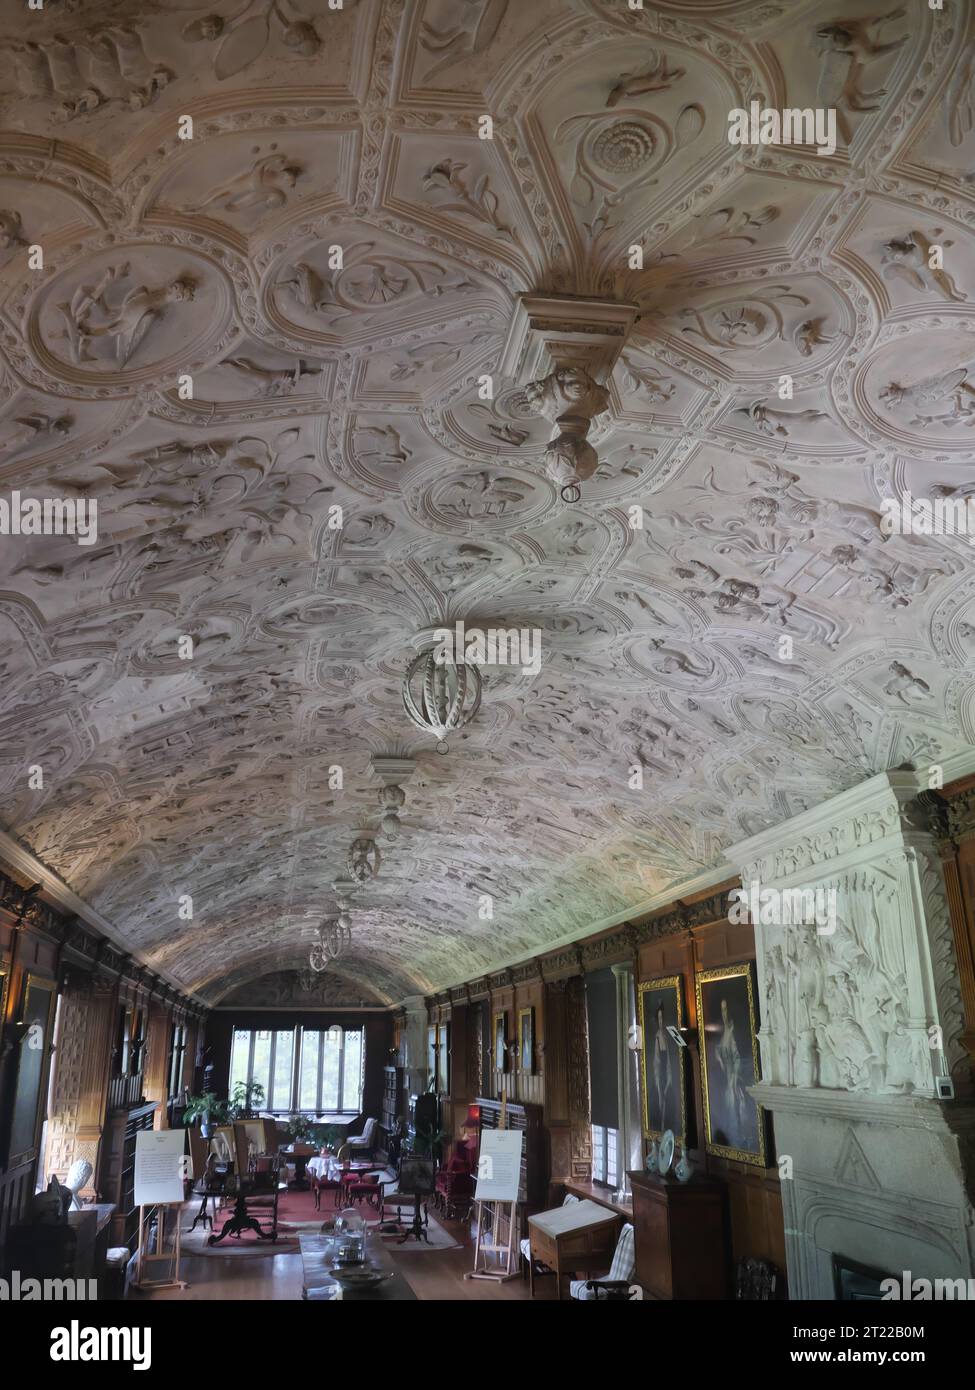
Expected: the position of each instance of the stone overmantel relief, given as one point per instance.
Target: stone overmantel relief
(857, 1025)
(855, 1005)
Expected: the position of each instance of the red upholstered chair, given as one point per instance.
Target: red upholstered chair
(324, 1178)
(454, 1191)
(366, 1188)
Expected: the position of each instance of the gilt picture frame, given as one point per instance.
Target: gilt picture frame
(727, 1019)
(526, 1039)
(663, 1073)
(500, 1035)
(36, 1036)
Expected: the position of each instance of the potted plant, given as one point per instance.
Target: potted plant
(301, 1129)
(244, 1100)
(208, 1110)
(332, 1137)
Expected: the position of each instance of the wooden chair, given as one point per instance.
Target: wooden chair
(616, 1285)
(756, 1280)
(366, 1188)
(324, 1180)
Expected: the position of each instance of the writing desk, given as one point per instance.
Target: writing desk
(577, 1239)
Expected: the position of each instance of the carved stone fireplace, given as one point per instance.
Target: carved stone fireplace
(860, 1027)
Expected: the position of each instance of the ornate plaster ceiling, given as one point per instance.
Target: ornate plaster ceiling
(209, 258)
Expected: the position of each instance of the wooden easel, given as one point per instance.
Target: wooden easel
(160, 1254)
(490, 1216)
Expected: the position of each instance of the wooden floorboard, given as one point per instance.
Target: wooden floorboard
(434, 1275)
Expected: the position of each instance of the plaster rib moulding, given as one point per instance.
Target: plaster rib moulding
(359, 388)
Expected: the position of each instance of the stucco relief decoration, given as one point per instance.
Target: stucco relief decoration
(314, 356)
(838, 1017)
(569, 399)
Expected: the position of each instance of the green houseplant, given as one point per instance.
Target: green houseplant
(208, 1110)
(301, 1129)
(245, 1099)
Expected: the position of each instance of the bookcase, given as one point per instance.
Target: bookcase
(117, 1183)
(392, 1105)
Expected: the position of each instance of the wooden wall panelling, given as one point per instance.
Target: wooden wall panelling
(82, 1055)
(503, 1001)
(530, 1085)
(475, 1050)
(698, 936)
(556, 1111)
(953, 823)
(456, 1101)
(754, 1194)
(156, 1058)
(577, 1028)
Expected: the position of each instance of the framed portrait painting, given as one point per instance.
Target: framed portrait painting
(500, 1042)
(34, 1051)
(663, 1073)
(728, 1025)
(526, 1039)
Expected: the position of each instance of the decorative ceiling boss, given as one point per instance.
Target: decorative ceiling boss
(574, 341)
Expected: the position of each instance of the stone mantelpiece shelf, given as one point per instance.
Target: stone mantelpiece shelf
(910, 1112)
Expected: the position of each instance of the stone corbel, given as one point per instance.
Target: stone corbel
(561, 349)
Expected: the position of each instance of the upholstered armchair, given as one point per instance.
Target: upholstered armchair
(363, 1144)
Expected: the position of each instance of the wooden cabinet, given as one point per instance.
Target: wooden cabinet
(681, 1237)
(392, 1109)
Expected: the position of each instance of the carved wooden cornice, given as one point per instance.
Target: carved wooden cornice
(958, 823)
(683, 917)
(85, 954)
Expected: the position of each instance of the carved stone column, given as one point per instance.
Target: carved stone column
(79, 1090)
(860, 1026)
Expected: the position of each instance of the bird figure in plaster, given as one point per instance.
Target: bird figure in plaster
(655, 76)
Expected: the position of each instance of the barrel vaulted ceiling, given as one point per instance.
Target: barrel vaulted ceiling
(315, 387)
